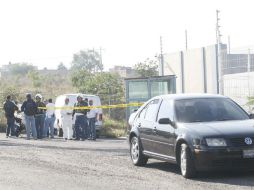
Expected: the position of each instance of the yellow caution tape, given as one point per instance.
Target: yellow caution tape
(91, 107)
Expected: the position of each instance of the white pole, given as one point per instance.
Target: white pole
(248, 70)
(161, 57)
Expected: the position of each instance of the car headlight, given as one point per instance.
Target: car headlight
(216, 142)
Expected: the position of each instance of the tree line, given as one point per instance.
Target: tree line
(86, 75)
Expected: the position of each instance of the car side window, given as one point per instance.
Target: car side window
(143, 113)
(166, 110)
(152, 110)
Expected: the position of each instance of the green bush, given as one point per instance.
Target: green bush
(113, 128)
(2, 121)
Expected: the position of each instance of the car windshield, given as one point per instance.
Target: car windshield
(208, 110)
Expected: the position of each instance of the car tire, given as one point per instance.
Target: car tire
(137, 157)
(187, 165)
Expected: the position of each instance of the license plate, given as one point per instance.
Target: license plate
(248, 153)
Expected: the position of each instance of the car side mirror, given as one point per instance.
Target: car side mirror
(251, 116)
(166, 121)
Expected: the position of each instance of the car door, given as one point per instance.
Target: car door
(145, 124)
(164, 134)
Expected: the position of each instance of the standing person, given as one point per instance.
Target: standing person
(29, 108)
(50, 119)
(92, 116)
(39, 116)
(9, 108)
(81, 125)
(67, 120)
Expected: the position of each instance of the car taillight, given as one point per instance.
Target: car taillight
(100, 117)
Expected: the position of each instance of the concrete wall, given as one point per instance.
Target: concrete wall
(173, 66)
(193, 71)
(211, 69)
(196, 70)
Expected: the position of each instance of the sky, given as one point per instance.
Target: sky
(47, 32)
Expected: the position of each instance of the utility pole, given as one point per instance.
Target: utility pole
(101, 55)
(248, 78)
(186, 40)
(229, 45)
(220, 85)
(161, 57)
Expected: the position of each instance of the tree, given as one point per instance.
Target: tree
(148, 68)
(61, 66)
(35, 78)
(20, 68)
(108, 86)
(89, 60)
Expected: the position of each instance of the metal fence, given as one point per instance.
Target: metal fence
(237, 70)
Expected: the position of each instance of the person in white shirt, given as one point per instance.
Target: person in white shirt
(49, 120)
(92, 117)
(66, 117)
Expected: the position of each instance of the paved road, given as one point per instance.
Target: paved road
(104, 164)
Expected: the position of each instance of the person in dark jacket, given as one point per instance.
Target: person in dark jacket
(39, 115)
(29, 108)
(81, 124)
(10, 107)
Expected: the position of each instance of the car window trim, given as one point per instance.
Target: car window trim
(143, 109)
(157, 108)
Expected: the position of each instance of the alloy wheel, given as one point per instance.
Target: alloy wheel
(134, 150)
(183, 160)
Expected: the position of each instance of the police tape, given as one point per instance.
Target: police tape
(93, 107)
(134, 104)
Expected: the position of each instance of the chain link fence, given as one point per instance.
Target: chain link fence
(237, 69)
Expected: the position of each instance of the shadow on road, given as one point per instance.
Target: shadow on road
(164, 166)
(238, 178)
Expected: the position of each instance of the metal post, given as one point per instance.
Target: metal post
(101, 55)
(248, 78)
(219, 60)
(229, 45)
(161, 58)
(186, 40)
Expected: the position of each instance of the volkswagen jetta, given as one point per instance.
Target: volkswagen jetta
(197, 132)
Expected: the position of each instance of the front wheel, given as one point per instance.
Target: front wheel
(137, 156)
(186, 162)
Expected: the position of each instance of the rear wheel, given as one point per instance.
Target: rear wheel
(137, 157)
(186, 162)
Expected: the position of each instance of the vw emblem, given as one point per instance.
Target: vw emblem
(248, 140)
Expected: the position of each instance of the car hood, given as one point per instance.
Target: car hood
(222, 128)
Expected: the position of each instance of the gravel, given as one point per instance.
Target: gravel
(104, 164)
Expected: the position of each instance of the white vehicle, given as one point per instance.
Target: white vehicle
(60, 101)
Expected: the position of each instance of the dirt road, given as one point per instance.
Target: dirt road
(104, 164)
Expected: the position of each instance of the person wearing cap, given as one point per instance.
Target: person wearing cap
(10, 107)
(81, 125)
(29, 108)
(67, 120)
(39, 115)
